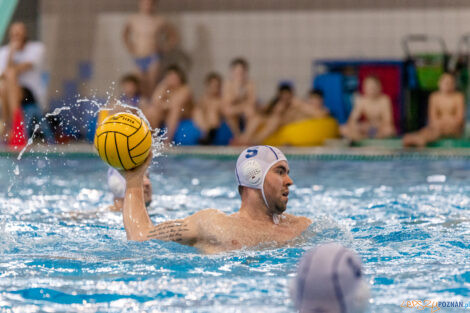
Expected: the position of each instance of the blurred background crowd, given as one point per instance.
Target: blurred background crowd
(241, 74)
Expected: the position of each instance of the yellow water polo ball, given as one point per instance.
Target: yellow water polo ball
(123, 140)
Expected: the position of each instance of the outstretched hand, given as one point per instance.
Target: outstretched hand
(136, 175)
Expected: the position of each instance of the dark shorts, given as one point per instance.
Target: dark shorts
(28, 97)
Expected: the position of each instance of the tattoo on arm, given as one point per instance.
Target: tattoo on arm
(170, 231)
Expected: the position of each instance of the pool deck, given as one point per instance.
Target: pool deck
(325, 152)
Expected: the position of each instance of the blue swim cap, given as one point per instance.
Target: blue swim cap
(254, 163)
(329, 280)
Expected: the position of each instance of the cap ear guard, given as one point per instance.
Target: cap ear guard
(252, 173)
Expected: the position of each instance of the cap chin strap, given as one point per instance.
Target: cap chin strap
(275, 216)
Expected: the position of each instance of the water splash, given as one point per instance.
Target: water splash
(36, 127)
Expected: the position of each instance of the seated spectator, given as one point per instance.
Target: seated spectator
(445, 115)
(330, 280)
(20, 74)
(208, 113)
(131, 91)
(171, 102)
(239, 97)
(284, 109)
(315, 107)
(142, 36)
(372, 115)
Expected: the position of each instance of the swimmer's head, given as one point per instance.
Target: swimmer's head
(447, 83)
(117, 186)
(147, 6)
(265, 168)
(372, 86)
(239, 68)
(330, 280)
(175, 76)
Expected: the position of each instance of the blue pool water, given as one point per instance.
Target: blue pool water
(408, 219)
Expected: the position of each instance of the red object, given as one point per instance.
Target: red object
(389, 76)
(18, 131)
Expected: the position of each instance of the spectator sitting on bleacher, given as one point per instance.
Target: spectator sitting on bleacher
(284, 109)
(130, 96)
(239, 97)
(20, 74)
(372, 115)
(171, 102)
(445, 116)
(208, 112)
(131, 91)
(142, 36)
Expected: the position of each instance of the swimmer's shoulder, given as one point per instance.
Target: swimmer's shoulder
(300, 222)
(208, 214)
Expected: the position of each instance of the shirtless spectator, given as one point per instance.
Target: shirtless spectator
(372, 115)
(146, 36)
(208, 113)
(445, 116)
(239, 97)
(171, 102)
(284, 109)
(20, 73)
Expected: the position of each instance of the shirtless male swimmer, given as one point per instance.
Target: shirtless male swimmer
(263, 178)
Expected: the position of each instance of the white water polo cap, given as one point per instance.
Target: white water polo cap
(254, 163)
(116, 183)
(329, 280)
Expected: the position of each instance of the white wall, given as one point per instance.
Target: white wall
(279, 45)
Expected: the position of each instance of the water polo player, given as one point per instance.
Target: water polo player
(263, 178)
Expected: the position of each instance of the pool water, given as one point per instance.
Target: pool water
(59, 252)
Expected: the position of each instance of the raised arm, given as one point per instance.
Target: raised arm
(137, 222)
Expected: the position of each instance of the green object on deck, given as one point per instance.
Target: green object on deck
(450, 143)
(429, 68)
(7, 8)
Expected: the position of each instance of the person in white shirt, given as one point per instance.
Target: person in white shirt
(20, 73)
